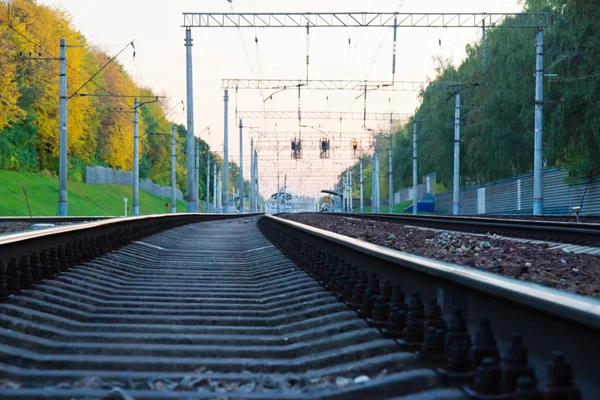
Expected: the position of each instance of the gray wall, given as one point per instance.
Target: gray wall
(108, 176)
(427, 186)
(515, 196)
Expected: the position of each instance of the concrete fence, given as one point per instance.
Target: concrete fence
(515, 196)
(108, 176)
(427, 186)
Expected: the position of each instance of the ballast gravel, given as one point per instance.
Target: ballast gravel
(575, 273)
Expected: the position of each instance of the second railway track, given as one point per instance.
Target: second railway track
(216, 310)
(559, 231)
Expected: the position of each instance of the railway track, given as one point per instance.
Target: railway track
(52, 220)
(558, 231)
(186, 307)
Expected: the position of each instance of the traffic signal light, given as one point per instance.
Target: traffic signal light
(354, 145)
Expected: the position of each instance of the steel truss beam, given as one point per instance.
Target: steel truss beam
(316, 133)
(359, 116)
(365, 20)
(327, 84)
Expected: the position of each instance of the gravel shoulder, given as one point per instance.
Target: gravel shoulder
(9, 227)
(575, 273)
(14, 227)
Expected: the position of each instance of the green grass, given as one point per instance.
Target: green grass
(84, 200)
(398, 208)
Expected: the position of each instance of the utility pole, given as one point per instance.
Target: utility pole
(373, 188)
(225, 198)
(377, 192)
(173, 190)
(456, 188)
(415, 196)
(62, 167)
(256, 190)
(241, 190)
(390, 175)
(284, 190)
(136, 162)
(197, 181)
(214, 187)
(207, 181)
(345, 189)
(192, 204)
(350, 191)
(219, 191)
(278, 194)
(539, 108)
(361, 187)
(483, 48)
(251, 176)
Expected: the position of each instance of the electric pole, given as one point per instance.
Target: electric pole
(241, 183)
(207, 181)
(361, 187)
(197, 164)
(415, 195)
(539, 108)
(62, 167)
(136, 161)
(390, 174)
(192, 204)
(225, 198)
(456, 188)
(251, 202)
(173, 193)
(214, 187)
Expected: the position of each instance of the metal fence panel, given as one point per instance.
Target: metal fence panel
(515, 196)
(98, 175)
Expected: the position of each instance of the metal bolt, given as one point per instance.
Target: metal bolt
(77, 257)
(433, 316)
(62, 259)
(26, 278)
(35, 265)
(70, 255)
(366, 309)
(485, 344)
(386, 290)
(526, 389)
(457, 342)
(487, 380)
(515, 365)
(3, 281)
(398, 298)
(13, 276)
(381, 310)
(357, 297)
(396, 323)
(560, 380)
(46, 266)
(374, 284)
(53, 259)
(363, 279)
(414, 329)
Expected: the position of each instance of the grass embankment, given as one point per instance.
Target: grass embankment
(385, 209)
(84, 200)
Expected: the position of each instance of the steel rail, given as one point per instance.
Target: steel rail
(197, 310)
(547, 318)
(565, 232)
(26, 242)
(53, 220)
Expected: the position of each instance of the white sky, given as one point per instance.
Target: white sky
(280, 54)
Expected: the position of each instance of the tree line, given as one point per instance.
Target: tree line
(99, 124)
(497, 116)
